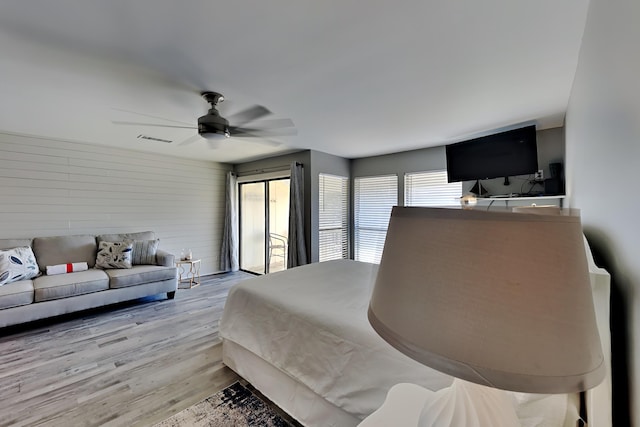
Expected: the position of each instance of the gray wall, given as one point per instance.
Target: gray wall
(50, 187)
(603, 155)
(326, 164)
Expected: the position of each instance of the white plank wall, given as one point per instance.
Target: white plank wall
(51, 187)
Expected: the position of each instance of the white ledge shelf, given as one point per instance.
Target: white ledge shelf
(508, 199)
(522, 201)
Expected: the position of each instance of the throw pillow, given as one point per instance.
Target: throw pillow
(144, 252)
(114, 255)
(17, 264)
(72, 267)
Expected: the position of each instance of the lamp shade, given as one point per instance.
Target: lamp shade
(498, 299)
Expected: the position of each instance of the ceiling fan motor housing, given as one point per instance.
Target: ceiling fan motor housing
(212, 123)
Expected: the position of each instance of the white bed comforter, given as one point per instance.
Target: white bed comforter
(311, 323)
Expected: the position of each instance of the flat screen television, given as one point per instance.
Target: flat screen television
(504, 154)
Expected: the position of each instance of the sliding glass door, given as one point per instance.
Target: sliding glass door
(252, 227)
(264, 225)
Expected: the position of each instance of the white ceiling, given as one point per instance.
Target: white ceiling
(357, 78)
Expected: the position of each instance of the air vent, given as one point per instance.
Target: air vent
(153, 138)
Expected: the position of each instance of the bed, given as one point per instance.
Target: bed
(302, 338)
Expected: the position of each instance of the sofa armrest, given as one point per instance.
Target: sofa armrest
(165, 259)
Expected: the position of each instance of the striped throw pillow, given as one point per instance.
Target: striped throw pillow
(144, 252)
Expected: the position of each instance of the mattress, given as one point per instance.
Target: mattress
(310, 323)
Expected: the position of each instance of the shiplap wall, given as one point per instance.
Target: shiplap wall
(50, 187)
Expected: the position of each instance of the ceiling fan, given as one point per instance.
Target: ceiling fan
(212, 126)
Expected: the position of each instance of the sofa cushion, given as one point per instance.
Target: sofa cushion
(68, 285)
(144, 252)
(16, 293)
(114, 255)
(140, 274)
(143, 235)
(65, 249)
(14, 243)
(17, 264)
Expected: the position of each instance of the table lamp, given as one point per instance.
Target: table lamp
(498, 300)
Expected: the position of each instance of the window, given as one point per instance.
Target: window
(431, 189)
(333, 217)
(373, 199)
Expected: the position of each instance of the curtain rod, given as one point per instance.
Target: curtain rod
(264, 170)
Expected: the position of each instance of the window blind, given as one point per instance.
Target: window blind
(373, 199)
(431, 189)
(333, 217)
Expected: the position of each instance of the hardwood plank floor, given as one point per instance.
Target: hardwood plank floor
(132, 364)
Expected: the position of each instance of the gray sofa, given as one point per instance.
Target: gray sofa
(52, 295)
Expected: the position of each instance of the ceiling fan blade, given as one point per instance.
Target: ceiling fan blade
(150, 116)
(271, 124)
(249, 114)
(260, 139)
(268, 142)
(190, 140)
(116, 122)
(260, 132)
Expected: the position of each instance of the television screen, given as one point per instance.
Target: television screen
(504, 154)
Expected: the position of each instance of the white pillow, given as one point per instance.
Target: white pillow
(17, 264)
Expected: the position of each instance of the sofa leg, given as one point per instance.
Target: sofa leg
(171, 295)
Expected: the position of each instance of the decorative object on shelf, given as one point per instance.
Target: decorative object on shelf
(468, 201)
(463, 292)
(479, 190)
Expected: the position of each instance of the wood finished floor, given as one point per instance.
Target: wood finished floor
(132, 364)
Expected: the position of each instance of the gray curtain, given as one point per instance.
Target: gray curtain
(297, 254)
(229, 248)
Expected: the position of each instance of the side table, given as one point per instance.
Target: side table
(191, 276)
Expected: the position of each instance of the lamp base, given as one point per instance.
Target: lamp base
(470, 405)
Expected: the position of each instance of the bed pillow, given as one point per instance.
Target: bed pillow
(114, 255)
(144, 252)
(17, 264)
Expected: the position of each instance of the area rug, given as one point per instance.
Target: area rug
(235, 406)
